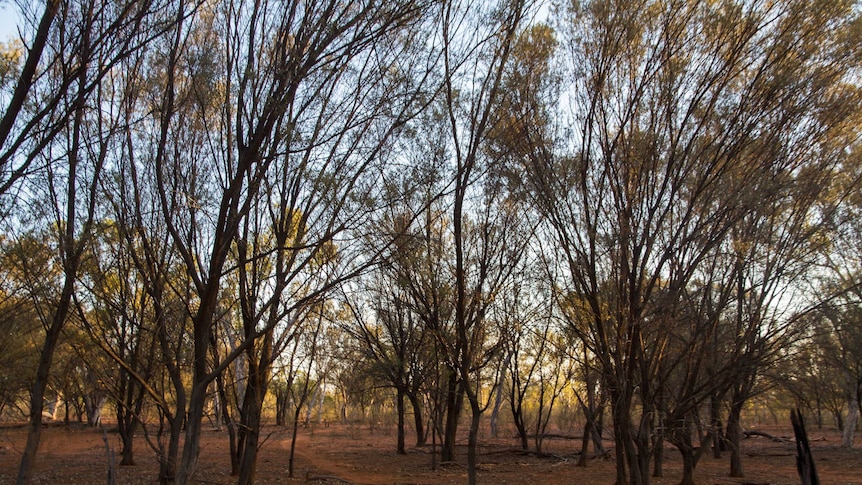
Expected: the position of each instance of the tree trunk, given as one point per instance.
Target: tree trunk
(454, 401)
(168, 461)
(252, 407)
(290, 459)
(126, 430)
(418, 419)
(127, 419)
(734, 436)
(643, 455)
(681, 438)
(399, 405)
(658, 455)
(716, 428)
(191, 445)
(498, 398)
(473, 440)
(520, 425)
(251, 432)
(688, 464)
(629, 449)
(850, 424)
(598, 422)
(231, 427)
(495, 412)
(37, 396)
(585, 442)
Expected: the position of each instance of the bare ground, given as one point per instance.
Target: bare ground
(354, 454)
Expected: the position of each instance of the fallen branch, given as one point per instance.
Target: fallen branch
(777, 439)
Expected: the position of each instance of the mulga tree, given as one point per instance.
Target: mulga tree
(67, 128)
(275, 106)
(682, 115)
(486, 235)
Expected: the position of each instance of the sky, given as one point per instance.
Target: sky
(8, 21)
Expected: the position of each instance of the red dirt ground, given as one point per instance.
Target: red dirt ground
(362, 455)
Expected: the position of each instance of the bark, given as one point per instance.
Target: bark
(231, 427)
(252, 410)
(473, 440)
(688, 464)
(418, 419)
(454, 401)
(250, 432)
(498, 398)
(194, 419)
(520, 425)
(734, 436)
(716, 428)
(127, 419)
(290, 460)
(658, 455)
(585, 443)
(850, 424)
(37, 397)
(495, 411)
(682, 439)
(399, 404)
(168, 460)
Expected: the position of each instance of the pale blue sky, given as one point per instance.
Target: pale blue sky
(8, 21)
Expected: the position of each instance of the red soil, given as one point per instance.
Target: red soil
(362, 455)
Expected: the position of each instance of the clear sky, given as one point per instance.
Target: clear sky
(8, 21)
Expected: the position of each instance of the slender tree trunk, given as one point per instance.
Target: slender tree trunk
(418, 419)
(168, 461)
(126, 429)
(127, 419)
(498, 398)
(251, 439)
(520, 425)
(454, 401)
(473, 440)
(40, 384)
(734, 437)
(191, 445)
(598, 423)
(252, 407)
(230, 425)
(716, 428)
(621, 441)
(290, 460)
(399, 405)
(658, 447)
(585, 442)
(688, 465)
(658, 455)
(850, 424)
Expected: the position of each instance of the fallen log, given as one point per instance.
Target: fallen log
(777, 439)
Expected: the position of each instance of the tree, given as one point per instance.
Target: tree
(488, 244)
(684, 114)
(396, 346)
(69, 133)
(250, 92)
